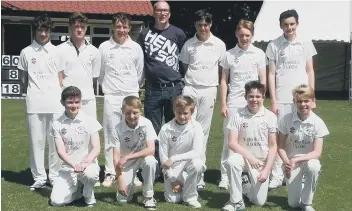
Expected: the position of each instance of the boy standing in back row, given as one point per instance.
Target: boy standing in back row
(290, 60)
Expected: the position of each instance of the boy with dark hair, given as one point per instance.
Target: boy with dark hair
(201, 56)
(290, 61)
(252, 138)
(80, 62)
(39, 62)
(121, 75)
(77, 142)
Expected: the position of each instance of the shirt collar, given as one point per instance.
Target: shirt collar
(174, 125)
(115, 44)
(246, 112)
(125, 127)
(308, 120)
(211, 39)
(250, 49)
(86, 43)
(284, 40)
(79, 117)
(47, 47)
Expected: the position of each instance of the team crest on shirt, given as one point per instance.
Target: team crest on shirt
(142, 135)
(111, 56)
(34, 60)
(292, 130)
(264, 126)
(282, 53)
(245, 125)
(236, 60)
(299, 51)
(126, 139)
(63, 131)
(174, 139)
(81, 129)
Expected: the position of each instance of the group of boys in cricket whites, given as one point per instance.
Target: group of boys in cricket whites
(262, 148)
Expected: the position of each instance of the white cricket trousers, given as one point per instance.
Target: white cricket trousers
(226, 152)
(148, 166)
(193, 169)
(258, 191)
(68, 185)
(39, 127)
(296, 194)
(205, 98)
(283, 109)
(89, 107)
(112, 116)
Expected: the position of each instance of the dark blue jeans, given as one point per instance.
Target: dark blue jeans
(158, 103)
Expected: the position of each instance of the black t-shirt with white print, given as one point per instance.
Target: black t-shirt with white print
(161, 53)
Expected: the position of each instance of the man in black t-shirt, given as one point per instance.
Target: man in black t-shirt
(161, 44)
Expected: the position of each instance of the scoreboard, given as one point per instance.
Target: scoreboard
(11, 83)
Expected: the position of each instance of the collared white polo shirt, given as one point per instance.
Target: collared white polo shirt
(290, 59)
(80, 66)
(301, 134)
(203, 60)
(132, 140)
(243, 66)
(254, 129)
(122, 66)
(76, 134)
(181, 142)
(42, 65)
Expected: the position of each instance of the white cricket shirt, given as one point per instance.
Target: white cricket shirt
(42, 65)
(301, 134)
(132, 140)
(121, 67)
(76, 134)
(243, 66)
(290, 59)
(203, 60)
(254, 129)
(181, 142)
(80, 67)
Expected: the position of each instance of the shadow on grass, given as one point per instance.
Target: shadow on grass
(214, 199)
(212, 176)
(279, 201)
(23, 177)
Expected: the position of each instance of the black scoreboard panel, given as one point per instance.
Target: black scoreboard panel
(11, 84)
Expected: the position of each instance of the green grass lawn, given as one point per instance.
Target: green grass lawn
(334, 190)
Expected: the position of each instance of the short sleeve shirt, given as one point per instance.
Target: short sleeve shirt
(301, 134)
(80, 66)
(76, 134)
(42, 65)
(130, 140)
(253, 130)
(203, 60)
(290, 59)
(243, 66)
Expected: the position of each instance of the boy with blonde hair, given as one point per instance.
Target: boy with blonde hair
(252, 138)
(300, 146)
(181, 149)
(133, 143)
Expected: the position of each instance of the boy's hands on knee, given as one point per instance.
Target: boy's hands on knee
(255, 163)
(290, 166)
(122, 161)
(167, 164)
(176, 186)
(81, 167)
(263, 175)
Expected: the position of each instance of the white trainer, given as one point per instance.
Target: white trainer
(307, 207)
(275, 183)
(150, 203)
(239, 206)
(193, 203)
(224, 184)
(137, 182)
(108, 180)
(37, 185)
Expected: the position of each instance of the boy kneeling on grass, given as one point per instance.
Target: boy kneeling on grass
(181, 149)
(300, 146)
(252, 141)
(77, 142)
(133, 146)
